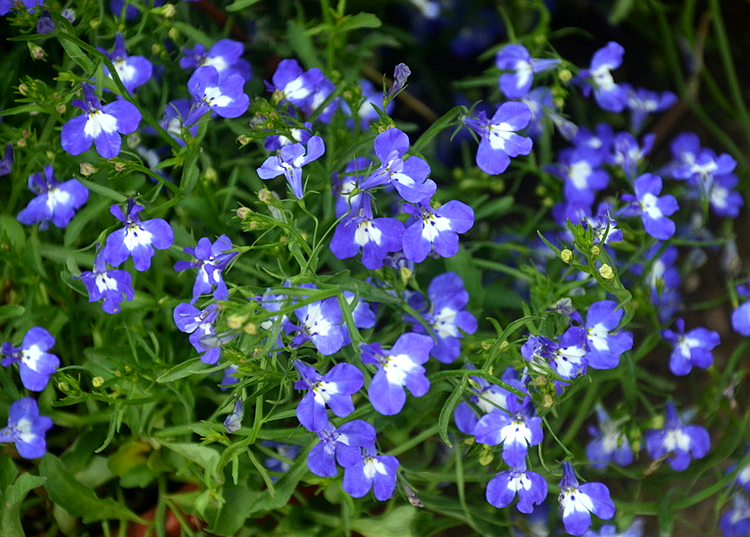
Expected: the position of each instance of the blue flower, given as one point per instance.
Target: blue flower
(224, 56)
(173, 120)
(517, 430)
(300, 135)
(579, 501)
(530, 487)
(678, 442)
(55, 202)
(399, 367)
(642, 102)
(233, 422)
(293, 85)
(199, 324)
(408, 176)
(346, 183)
(35, 365)
(320, 322)
(435, 229)
(691, 349)
(210, 260)
(607, 93)
(133, 71)
(400, 76)
(568, 356)
(447, 316)
(210, 92)
(344, 444)
(627, 154)
(609, 530)
(26, 428)
(372, 471)
(137, 238)
(375, 237)
(652, 208)
(499, 141)
(111, 285)
(6, 162)
(7, 5)
(736, 522)
(100, 125)
(334, 389)
(741, 316)
(605, 345)
(609, 443)
(289, 163)
(540, 102)
(517, 59)
(581, 173)
(288, 451)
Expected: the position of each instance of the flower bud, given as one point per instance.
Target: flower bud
(566, 255)
(607, 272)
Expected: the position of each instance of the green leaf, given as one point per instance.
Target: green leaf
(10, 522)
(284, 486)
(78, 499)
(11, 311)
(360, 20)
(77, 55)
(238, 500)
(8, 471)
(103, 190)
(240, 4)
(442, 123)
(302, 45)
(397, 523)
(446, 413)
(204, 456)
(12, 232)
(182, 370)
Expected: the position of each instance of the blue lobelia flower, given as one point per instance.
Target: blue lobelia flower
(6, 162)
(6, 6)
(173, 120)
(608, 95)
(100, 125)
(517, 59)
(691, 349)
(642, 102)
(567, 357)
(609, 530)
(652, 208)
(399, 367)
(447, 316)
(289, 163)
(579, 501)
(35, 365)
(287, 451)
(299, 135)
(233, 422)
(133, 71)
(677, 442)
(724, 200)
(435, 229)
(741, 316)
(293, 85)
(343, 444)
(516, 430)
(605, 343)
(346, 183)
(211, 92)
(401, 74)
(111, 285)
(580, 169)
(210, 260)
(26, 428)
(137, 238)
(372, 471)
(609, 444)
(603, 225)
(224, 56)
(199, 324)
(408, 176)
(360, 231)
(320, 322)
(628, 154)
(334, 389)
(599, 140)
(736, 521)
(55, 202)
(499, 141)
(487, 397)
(530, 487)
(542, 105)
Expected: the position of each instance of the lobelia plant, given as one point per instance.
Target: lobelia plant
(373, 291)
